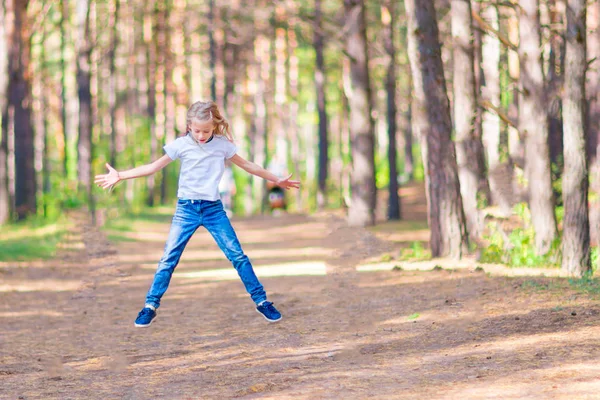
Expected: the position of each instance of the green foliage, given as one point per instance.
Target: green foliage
(517, 249)
(31, 239)
(382, 171)
(594, 258)
(415, 252)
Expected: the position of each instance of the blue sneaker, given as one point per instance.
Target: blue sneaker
(268, 310)
(145, 317)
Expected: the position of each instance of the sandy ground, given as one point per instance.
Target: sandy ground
(66, 326)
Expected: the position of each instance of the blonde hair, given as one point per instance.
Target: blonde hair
(208, 110)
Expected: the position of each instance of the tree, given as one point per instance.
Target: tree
(432, 115)
(388, 12)
(64, 18)
(533, 123)
(468, 146)
(576, 226)
(112, 90)
(84, 74)
(321, 106)
(5, 28)
(19, 109)
(363, 200)
(593, 80)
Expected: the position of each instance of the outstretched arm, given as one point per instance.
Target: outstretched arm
(257, 170)
(113, 177)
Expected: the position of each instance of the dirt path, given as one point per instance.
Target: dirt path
(66, 327)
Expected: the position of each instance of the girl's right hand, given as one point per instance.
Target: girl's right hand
(107, 181)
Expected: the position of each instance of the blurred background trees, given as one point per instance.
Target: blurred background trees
(493, 105)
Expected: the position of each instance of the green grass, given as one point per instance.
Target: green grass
(131, 222)
(119, 238)
(29, 240)
(413, 316)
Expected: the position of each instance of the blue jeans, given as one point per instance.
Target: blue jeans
(189, 216)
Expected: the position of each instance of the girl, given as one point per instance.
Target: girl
(203, 151)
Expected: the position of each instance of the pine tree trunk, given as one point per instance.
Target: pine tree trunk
(154, 38)
(84, 143)
(593, 82)
(432, 112)
(5, 44)
(19, 104)
(533, 123)
(112, 90)
(576, 227)
(212, 50)
(320, 80)
(490, 93)
(64, 18)
(468, 147)
(555, 123)
(362, 205)
(388, 17)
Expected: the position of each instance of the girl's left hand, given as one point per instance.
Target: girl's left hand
(286, 183)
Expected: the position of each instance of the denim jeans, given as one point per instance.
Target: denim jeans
(189, 216)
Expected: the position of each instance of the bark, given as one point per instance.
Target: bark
(64, 18)
(6, 21)
(212, 50)
(468, 146)
(362, 205)
(84, 143)
(593, 81)
(432, 116)
(516, 146)
(576, 227)
(320, 80)
(555, 123)
(533, 123)
(501, 193)
(112, 90)
(393, 211)
(153, 41)
(19, 104)
(168, 132)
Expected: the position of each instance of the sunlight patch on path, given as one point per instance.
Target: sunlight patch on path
(211, 255)
(313, 268)
(48, 285)
(465, 264)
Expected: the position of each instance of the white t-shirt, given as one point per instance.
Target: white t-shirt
(202, 166)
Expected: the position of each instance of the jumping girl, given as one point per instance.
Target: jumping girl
(202, 151)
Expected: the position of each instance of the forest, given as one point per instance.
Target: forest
(492, 105)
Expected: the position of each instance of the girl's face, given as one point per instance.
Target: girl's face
(201, 131)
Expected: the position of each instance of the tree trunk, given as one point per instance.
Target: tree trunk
(593, 82)
(533, 123)
(154, 38)
(468, 146)
(490, 93)
(320, 80)
(388, 18)
(555, 124)
(5, 44)
(64, 18)
(112, 90)
(84, 143)
(362, 205)
(212, 50)
(576, 226)
(19, 104)
(432, 112)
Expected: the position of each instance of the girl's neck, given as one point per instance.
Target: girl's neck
(197, 142)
